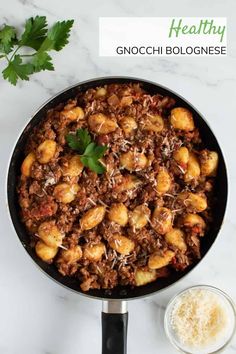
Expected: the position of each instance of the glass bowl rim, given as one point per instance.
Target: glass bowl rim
(213, 289)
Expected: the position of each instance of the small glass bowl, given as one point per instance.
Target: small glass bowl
(184, 348)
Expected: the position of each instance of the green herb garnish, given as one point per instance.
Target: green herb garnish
(89, 152)
(37, 37)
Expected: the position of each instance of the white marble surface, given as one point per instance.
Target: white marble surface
(37, 315)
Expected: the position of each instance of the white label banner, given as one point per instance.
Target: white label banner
(162, 36)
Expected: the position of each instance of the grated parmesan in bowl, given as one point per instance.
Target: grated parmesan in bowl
(200, 320)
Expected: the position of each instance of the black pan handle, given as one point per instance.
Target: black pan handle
(114, 327)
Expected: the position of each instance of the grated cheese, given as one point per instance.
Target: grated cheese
(50, 181)
(199, 318)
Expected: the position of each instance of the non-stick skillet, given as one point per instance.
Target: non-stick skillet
(114, 315)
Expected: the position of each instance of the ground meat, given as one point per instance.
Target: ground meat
(42, 208)
(112, 252)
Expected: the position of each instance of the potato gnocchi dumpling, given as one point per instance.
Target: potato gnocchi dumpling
(139, 217)
(129, 125)
(181, 155)
(196, 201)
(92, 217)
(162, 220)
(144, 276)
(193, 168)
(46, 151)
(65, 192)
(73, 114)
(101, 92)
(126, 101)
(121, 244)
(99, 123)
(27, 164)
(182, 119)
(128, 183)
(192, 220)
(71, 255)
(133, 161)
(45, 252)
(163, 181)
(73, 168)
(113, 100)
(118, 213)
(154, 123)
(50, 234)
(94, 253)
(209, 162)
(157, 261)
(175, 237)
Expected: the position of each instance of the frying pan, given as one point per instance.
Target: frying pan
(114, 314)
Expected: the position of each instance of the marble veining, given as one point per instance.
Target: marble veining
(37, 315)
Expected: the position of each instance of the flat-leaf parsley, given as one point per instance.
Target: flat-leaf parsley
(89, 152)
(37, 37)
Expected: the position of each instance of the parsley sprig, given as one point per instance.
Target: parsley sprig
(38, 38)
(89, 152)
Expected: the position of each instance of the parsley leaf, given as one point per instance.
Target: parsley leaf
(16, 69)
(90, 153)
(7, 39)
(100, 150)
(92, 164)
(57, 36)
(73, 142)
(42, 61)
(35, 32)
(84, 137)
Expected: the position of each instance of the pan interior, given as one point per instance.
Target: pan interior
(119, 292)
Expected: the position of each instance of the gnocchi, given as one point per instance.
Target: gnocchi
(154, 123)
(92, 217)
(126, 101)
(46, 151)
(74, 167)
(129, 125)
(195, 201)
(143, 276)
(139, 217)
(73, 114)
(192, 220)
(133, 161)
(113, 100)
(193, 168)
(118, 213)
(181, 155)
(65, 193)
(94, 253)
(175, 237)
(157, 261)
(182, 119)
(162, 220)
(50, 234)
(27, 164)
(121, 244)
(45, 252)
(99, 123)
(72, 255)
(129, 182)
(101, 92)
(209, 162)
(163, 181)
